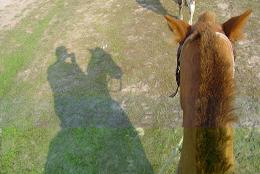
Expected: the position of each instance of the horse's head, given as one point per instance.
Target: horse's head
(206, 53)
(102, 65)
(230, 31)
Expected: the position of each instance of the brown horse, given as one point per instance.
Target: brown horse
(207, 91)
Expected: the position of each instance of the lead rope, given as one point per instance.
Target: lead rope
(171, 158)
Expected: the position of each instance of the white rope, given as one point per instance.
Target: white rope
(170, 160)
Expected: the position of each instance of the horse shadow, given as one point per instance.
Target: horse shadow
(96, 135)
(156, 6)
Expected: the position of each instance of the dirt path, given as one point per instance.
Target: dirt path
(12, 11)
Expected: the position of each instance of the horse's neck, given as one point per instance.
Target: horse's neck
(188, 162)
(197, 89)
(191, 78)
(189, 83)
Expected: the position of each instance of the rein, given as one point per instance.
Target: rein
(178, 67)
(180, 48)
(177, 72)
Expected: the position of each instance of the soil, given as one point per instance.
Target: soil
(12, 11)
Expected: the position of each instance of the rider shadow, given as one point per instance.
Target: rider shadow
(156, 6)
(96, 135)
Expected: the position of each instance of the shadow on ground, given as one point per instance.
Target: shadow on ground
(156, 6)
(96, 135)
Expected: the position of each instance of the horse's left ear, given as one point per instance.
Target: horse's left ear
(233, 28)
(179, 27)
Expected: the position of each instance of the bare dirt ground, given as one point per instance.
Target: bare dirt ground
(12, 11)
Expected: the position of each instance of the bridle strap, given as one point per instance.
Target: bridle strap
(178, 67)
(177, 72)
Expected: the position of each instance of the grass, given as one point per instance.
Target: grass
(24, 45)
(50, 110)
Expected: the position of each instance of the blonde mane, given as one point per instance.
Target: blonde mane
(214, 105)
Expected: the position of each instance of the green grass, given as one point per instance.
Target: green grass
(247, 151)
(24, 150)
(14, 60)
(85, 149)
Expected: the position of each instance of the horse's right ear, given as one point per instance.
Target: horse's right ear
(233, 28)
(179, 27)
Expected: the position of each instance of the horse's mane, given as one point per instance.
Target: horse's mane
(214, 106)
(216, 91)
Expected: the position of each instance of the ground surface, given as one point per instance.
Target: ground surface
(61, 105)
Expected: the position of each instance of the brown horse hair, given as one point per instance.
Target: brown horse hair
(214, 106)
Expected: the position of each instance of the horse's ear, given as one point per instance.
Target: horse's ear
(179, 27)
(233, 28)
